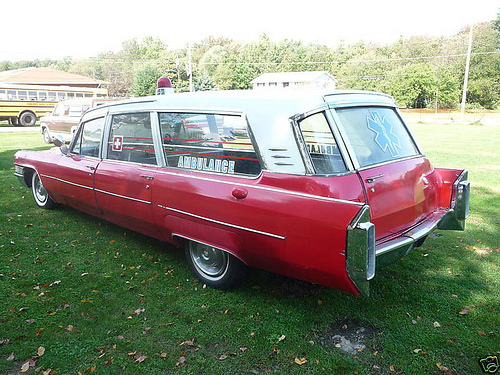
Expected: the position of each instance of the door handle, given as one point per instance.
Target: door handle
(239, 193)
(373, 178)
(149, 178)
(91, 167)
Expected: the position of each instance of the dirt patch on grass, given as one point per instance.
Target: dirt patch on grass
(349, 336)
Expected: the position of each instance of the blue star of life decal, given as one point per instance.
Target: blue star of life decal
(384, 137)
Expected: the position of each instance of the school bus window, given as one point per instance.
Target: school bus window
(42, 95)
(79, 95)
(3, 94)
(61, 95)
(52, 96)
(12, 94)
(22, 95)
(32, 95)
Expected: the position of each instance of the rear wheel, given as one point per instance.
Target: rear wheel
(213, 266)
(27, 119)
(41, 196)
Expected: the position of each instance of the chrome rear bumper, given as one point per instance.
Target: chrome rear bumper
(363, 254)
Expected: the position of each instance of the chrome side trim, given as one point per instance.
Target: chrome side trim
(67, 182)
(223, 223)
(295, 193)
(122, 196)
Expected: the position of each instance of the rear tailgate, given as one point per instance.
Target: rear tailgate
(400, 195)
(400, 183)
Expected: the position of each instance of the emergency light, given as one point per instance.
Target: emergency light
(164, 86)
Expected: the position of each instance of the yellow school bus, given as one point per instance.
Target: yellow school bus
(24, 104)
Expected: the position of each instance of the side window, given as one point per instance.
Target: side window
(131, 138)
(208, 142)
(321, 144)
(89, 138)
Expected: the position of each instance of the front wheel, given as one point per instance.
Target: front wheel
(41, 196)
(46, 136)
(213, 266)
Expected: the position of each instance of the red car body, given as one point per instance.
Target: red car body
(279, 192)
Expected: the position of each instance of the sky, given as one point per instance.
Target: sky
(37, 29)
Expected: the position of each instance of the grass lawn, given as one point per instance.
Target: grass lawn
(79, 295)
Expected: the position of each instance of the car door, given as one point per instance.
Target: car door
(76, 171)
(123, 189)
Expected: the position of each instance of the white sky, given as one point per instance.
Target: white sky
(56, 28)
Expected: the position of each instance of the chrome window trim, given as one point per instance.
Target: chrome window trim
(259, 187)
(223, 223)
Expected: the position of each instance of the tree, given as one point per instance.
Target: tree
(145, 80)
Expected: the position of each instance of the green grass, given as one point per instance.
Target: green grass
(97, 296)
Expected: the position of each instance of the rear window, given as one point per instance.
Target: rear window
(377, 135)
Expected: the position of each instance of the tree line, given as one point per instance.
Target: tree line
(420, 71)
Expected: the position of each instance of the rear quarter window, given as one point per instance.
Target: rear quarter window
(376, 135)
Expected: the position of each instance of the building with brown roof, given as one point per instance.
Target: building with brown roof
(48, 77)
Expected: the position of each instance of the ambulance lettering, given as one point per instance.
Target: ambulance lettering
(206, 164)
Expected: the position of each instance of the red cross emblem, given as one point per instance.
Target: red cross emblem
(117, 143)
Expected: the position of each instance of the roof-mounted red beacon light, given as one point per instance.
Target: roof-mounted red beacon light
(164, 86)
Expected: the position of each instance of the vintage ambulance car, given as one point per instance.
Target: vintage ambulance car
(320, 186)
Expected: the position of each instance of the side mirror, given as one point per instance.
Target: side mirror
(58, 141)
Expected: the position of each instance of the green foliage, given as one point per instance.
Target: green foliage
(145, 79)
(419, 71)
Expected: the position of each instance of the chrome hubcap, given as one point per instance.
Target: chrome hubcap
(39, 190)
(209, 260)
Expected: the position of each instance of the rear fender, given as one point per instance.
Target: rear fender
(221, 239)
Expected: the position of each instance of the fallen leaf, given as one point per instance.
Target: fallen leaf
(444, 369)
(25, 367)
(11, 357)
(140, 358)
(281, 338)
(181, 361)
(163, 355)
(391, 367)
(417, 350)
(222, 357)
(466, 310)
(69, 328)
(41, 351)
(300, 361)
(436, 324)
(243, 348)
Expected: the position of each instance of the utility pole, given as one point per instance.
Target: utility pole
(190, 68)
(466, 77)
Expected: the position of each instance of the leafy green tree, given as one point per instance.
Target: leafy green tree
(145, 80)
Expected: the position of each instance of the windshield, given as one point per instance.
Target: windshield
(376, 134)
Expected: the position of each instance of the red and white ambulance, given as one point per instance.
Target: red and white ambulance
(320, 186)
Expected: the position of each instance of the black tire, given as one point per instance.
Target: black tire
(214, 267)
(27, 119)
(13, 121)
(47, 138)
(42, 198)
